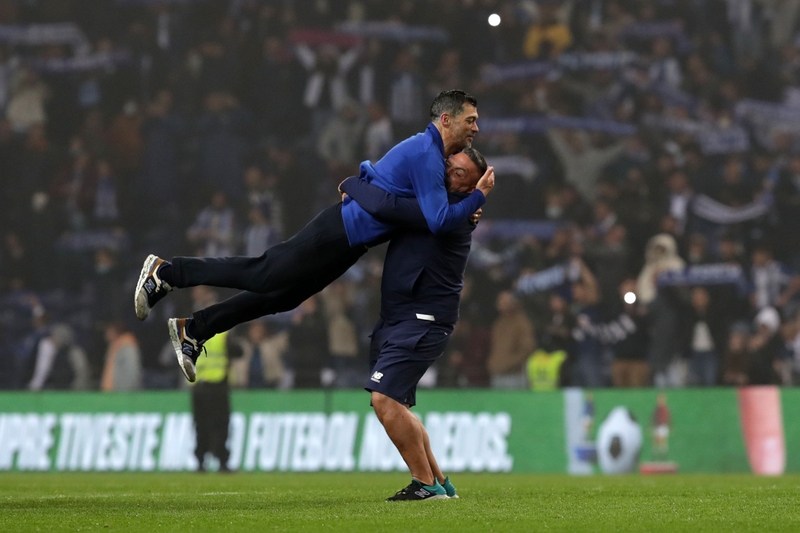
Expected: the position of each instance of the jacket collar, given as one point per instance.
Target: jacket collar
(437, 137)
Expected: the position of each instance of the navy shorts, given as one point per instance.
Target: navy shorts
(401, 353)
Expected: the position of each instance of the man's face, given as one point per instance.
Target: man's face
(464, 126)
(462, 174)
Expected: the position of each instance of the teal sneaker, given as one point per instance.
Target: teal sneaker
(449, 488)
(417, 491)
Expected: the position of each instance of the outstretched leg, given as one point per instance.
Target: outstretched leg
(248, 306)
(321, 244)
(308, 256)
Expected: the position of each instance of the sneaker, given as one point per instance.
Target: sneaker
(417, 491)
(186, 348)
(449, 488)
(150, 288)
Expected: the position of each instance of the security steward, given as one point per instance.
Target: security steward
(211, 404)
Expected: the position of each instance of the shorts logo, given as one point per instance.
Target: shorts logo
(376, 377)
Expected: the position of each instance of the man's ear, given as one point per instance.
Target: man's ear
(445, 119)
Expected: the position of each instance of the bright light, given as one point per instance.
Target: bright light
(630, 298)
(494, 19)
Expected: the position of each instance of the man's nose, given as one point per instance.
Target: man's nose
(475, 127)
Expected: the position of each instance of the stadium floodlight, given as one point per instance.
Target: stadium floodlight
(494, 19)
(630, 298)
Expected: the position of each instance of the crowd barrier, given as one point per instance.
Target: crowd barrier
(701, 430)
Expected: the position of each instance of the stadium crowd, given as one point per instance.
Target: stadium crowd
(645, 228)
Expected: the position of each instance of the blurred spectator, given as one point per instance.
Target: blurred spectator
(261, 192)
(26, 107)
(222, 129)
(125, 139)
(770, 278)
(736, 358)
(278, 79)
(765, 349)
(213, 232)
(512, 343)
(107, 295)
(339, 140)
(705, 335)
(163, 131)
(787, 204)
(697, 252)
(680, 196)
(610, 262)
(307, 353)
(343, 347)
(447, 74)
(589, 365)
(123, 365)
(582, 161)
(664, 68)
(556, 335)
(544, 369)
(630, 367)
(260, 234)
(105, 208)
(261, 365)
(661, 256)
(326, 89)
(406, 103)
(60, 364)
(378, 138)
(371, 79)
(547, 37)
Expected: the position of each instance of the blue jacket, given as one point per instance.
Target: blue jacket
(413, 168)
(423, 273)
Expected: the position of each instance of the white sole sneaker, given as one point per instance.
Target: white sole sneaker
(184, 361)
(140, 296)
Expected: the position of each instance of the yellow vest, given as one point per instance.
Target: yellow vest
(544, 369)
(212, 366)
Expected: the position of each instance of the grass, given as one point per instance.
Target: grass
(354, 502)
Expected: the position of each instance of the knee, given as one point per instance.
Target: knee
(382, 404)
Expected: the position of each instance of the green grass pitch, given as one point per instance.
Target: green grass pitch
(354, 502)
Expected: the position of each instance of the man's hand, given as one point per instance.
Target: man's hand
(486, 183)
(344, 194)
(476, 216)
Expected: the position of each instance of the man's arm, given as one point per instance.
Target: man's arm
(405, 212)
(442, 217)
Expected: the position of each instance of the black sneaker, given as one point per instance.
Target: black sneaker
(150, 288)
(417, 491)
(186, 348)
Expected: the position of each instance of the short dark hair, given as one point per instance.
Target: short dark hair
(451, 102)
(477, 158)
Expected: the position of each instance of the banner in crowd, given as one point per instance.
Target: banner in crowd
(539, 124)
(41, 34)
(767, 118)
(713, 140)
(510, 230)
(315, 37)
(709, 209)
(394, 31)
(693, 430)
(646, 30)
(523, 70)
(100, 60)
(547, 279)
(710, 274)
